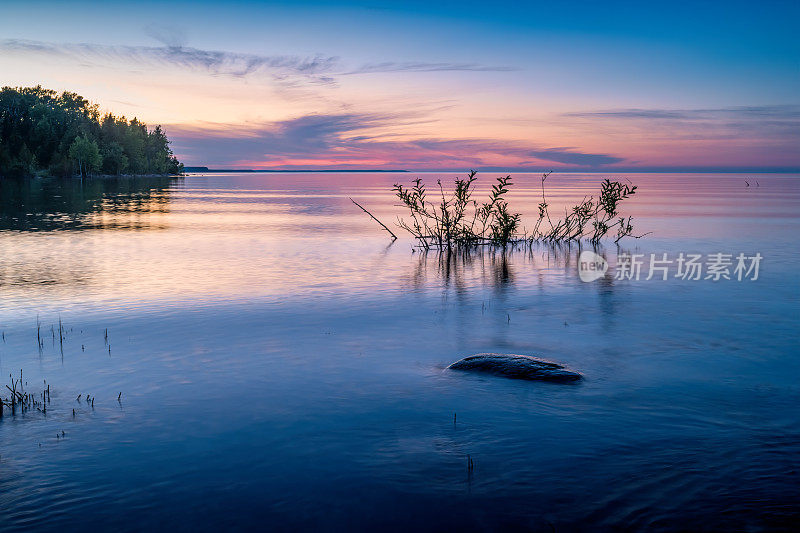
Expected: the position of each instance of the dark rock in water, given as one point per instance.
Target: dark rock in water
(516, 367)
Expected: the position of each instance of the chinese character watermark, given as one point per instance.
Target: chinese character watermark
(689, 267)
(684, 266)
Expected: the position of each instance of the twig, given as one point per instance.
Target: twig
(394, 237)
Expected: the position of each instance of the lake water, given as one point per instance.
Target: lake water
(281, 365)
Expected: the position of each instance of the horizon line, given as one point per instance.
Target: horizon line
(677, 170)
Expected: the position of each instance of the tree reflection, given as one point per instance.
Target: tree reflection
(50, 204)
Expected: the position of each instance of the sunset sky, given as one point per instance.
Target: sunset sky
(424, 85)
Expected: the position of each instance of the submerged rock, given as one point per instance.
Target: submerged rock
(516, 367)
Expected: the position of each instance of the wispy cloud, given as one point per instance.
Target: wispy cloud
(175, 53)
(169, 35)
(769, 122)
(781, 112)
(710, 137)
(355, 139)
(314, 68)
(571, 156)
(393, 66)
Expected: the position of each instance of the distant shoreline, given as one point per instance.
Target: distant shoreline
(712, 170)
(206, 169)
(89, 177)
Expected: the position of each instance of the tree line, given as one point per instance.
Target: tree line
(43, 132)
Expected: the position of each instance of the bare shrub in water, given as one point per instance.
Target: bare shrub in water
(454, 219)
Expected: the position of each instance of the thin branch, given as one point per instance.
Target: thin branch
(394, 237)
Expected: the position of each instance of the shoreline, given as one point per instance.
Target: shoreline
(94, 176)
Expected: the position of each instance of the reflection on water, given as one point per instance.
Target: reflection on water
(55, 204)
(254, 238)
(280, 363)
(461, 270)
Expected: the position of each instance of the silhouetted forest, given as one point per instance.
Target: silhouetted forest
(46, 133)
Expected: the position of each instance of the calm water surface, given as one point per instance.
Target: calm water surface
(281, 365)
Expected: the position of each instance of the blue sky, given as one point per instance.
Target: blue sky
(584, 85)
